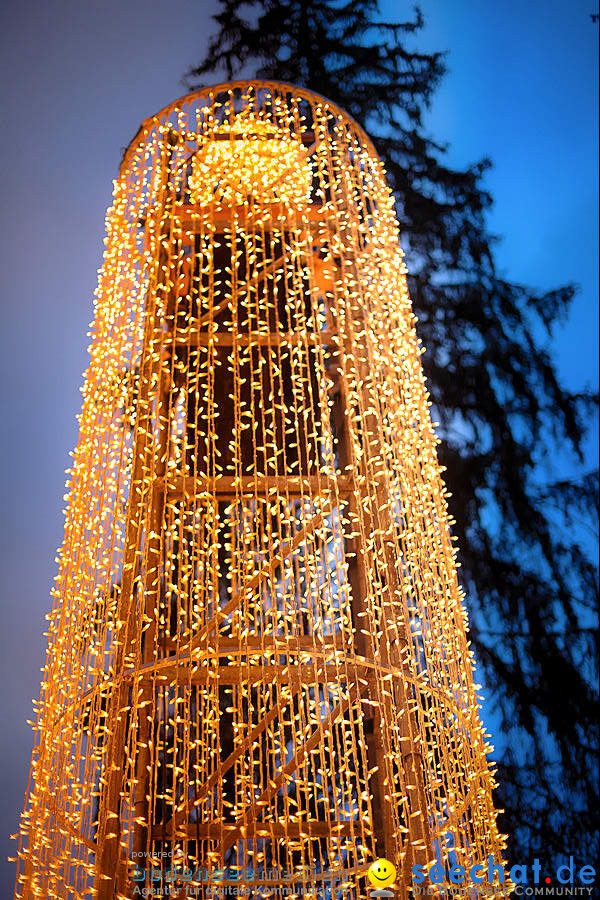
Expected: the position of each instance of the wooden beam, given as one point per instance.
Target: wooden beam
(185, 671)
(196, 219)
(271, 566)
(202, 793)
(296, 830)
(232, 487)
(255, 809)
(193, 338)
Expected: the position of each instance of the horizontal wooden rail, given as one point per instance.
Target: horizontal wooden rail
(191, 338)
(217, 830)
(225, 486)
(191, 672)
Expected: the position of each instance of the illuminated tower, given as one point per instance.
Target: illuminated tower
(257, 653)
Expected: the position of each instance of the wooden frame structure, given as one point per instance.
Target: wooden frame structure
(258, 656)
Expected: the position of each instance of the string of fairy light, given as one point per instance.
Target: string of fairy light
(258, 655)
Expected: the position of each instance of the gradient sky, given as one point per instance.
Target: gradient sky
(77, 80)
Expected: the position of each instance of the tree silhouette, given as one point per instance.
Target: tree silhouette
(527, 571)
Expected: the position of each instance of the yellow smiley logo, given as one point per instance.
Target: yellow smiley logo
(382, 873)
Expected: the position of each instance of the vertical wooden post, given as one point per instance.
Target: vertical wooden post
(378, 519)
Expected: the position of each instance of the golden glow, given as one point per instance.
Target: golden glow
(250, 160)
(257, 651)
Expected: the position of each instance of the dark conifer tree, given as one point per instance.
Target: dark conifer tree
(504, 415)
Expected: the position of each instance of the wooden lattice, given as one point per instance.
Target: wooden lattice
(257, 653)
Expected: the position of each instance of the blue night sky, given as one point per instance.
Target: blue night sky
(79, 77)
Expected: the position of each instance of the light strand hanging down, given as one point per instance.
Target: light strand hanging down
(258, 668)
